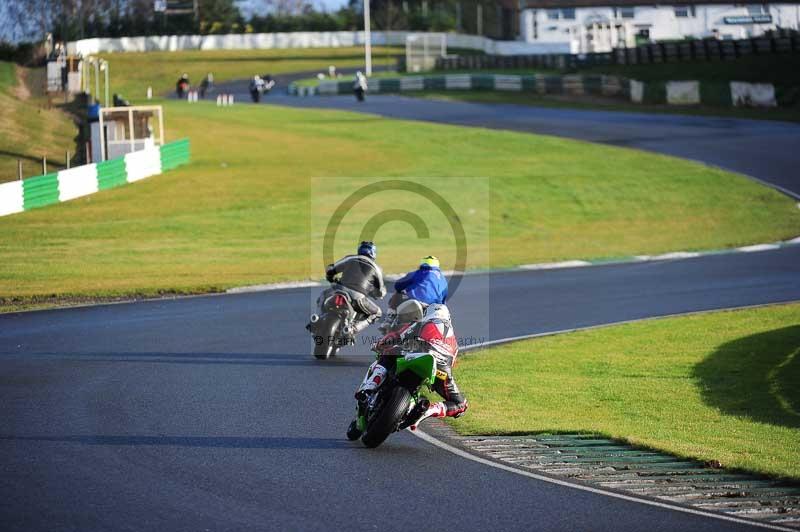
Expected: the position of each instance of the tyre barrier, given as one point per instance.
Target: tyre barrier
(47, 189)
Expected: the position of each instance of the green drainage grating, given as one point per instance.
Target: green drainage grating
(609, 464)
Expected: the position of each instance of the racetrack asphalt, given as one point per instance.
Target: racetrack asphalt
(208, 413)
(765, 150)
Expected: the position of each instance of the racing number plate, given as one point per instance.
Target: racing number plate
(441, 374)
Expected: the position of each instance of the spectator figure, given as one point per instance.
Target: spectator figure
(119, 101)
(207, 84)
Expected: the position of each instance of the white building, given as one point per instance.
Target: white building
(599, 29)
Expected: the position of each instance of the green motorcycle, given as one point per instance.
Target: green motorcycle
(397, 403)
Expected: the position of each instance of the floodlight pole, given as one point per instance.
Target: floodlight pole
(367, 40)
(97, 80)
(105, 63)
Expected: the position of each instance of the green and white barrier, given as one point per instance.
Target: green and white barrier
(47, 189)
(670, 92)
(719, 94)
(753, 94)
(538, 83)
(683, 92)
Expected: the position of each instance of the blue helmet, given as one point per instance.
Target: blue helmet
(368, 249)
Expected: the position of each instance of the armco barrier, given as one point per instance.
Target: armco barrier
(39, 191)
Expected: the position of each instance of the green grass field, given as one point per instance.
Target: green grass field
(28, 130)
(132, 73)
(721, 386)
(239, 214)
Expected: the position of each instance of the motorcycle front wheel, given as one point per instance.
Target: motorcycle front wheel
(389, 417)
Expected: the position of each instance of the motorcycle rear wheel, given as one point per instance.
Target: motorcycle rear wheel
(389, 417)
(327, 349)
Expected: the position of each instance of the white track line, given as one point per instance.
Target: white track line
(272, 286)
(758, 247)
(469, 456)
(555, 265)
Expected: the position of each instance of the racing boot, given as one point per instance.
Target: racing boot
(434, 410)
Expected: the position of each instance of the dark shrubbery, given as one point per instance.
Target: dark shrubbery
(25, 53)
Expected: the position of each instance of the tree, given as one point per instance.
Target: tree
(222, 14)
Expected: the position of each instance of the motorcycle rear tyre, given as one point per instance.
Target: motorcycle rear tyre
(327, 349)
(388, 418)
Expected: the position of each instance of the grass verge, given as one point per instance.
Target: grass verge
(132, 73)
(29, 129)
(239, 214)
(721, 386)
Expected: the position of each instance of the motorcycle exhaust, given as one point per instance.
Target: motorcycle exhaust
(314, 318)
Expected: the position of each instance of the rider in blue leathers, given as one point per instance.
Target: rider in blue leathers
(426, 284)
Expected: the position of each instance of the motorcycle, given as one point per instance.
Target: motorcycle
(396, 404)
(330, 329)
(405, 310)
(181, 88)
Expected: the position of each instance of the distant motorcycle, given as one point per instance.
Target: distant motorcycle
(181, 88)
(330, 330)
(360, 86)
(397, 403)
(259, 86)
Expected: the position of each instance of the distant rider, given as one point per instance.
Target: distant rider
(426, 284)
(256, 88)
(361, 277)
(360, 86)
(182, 85)
(433, 334)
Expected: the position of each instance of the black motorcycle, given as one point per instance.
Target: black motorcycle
(331, 330)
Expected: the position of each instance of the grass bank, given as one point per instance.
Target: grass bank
(29, 128)
(132, 73)
(239, 214)
(720, 386)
